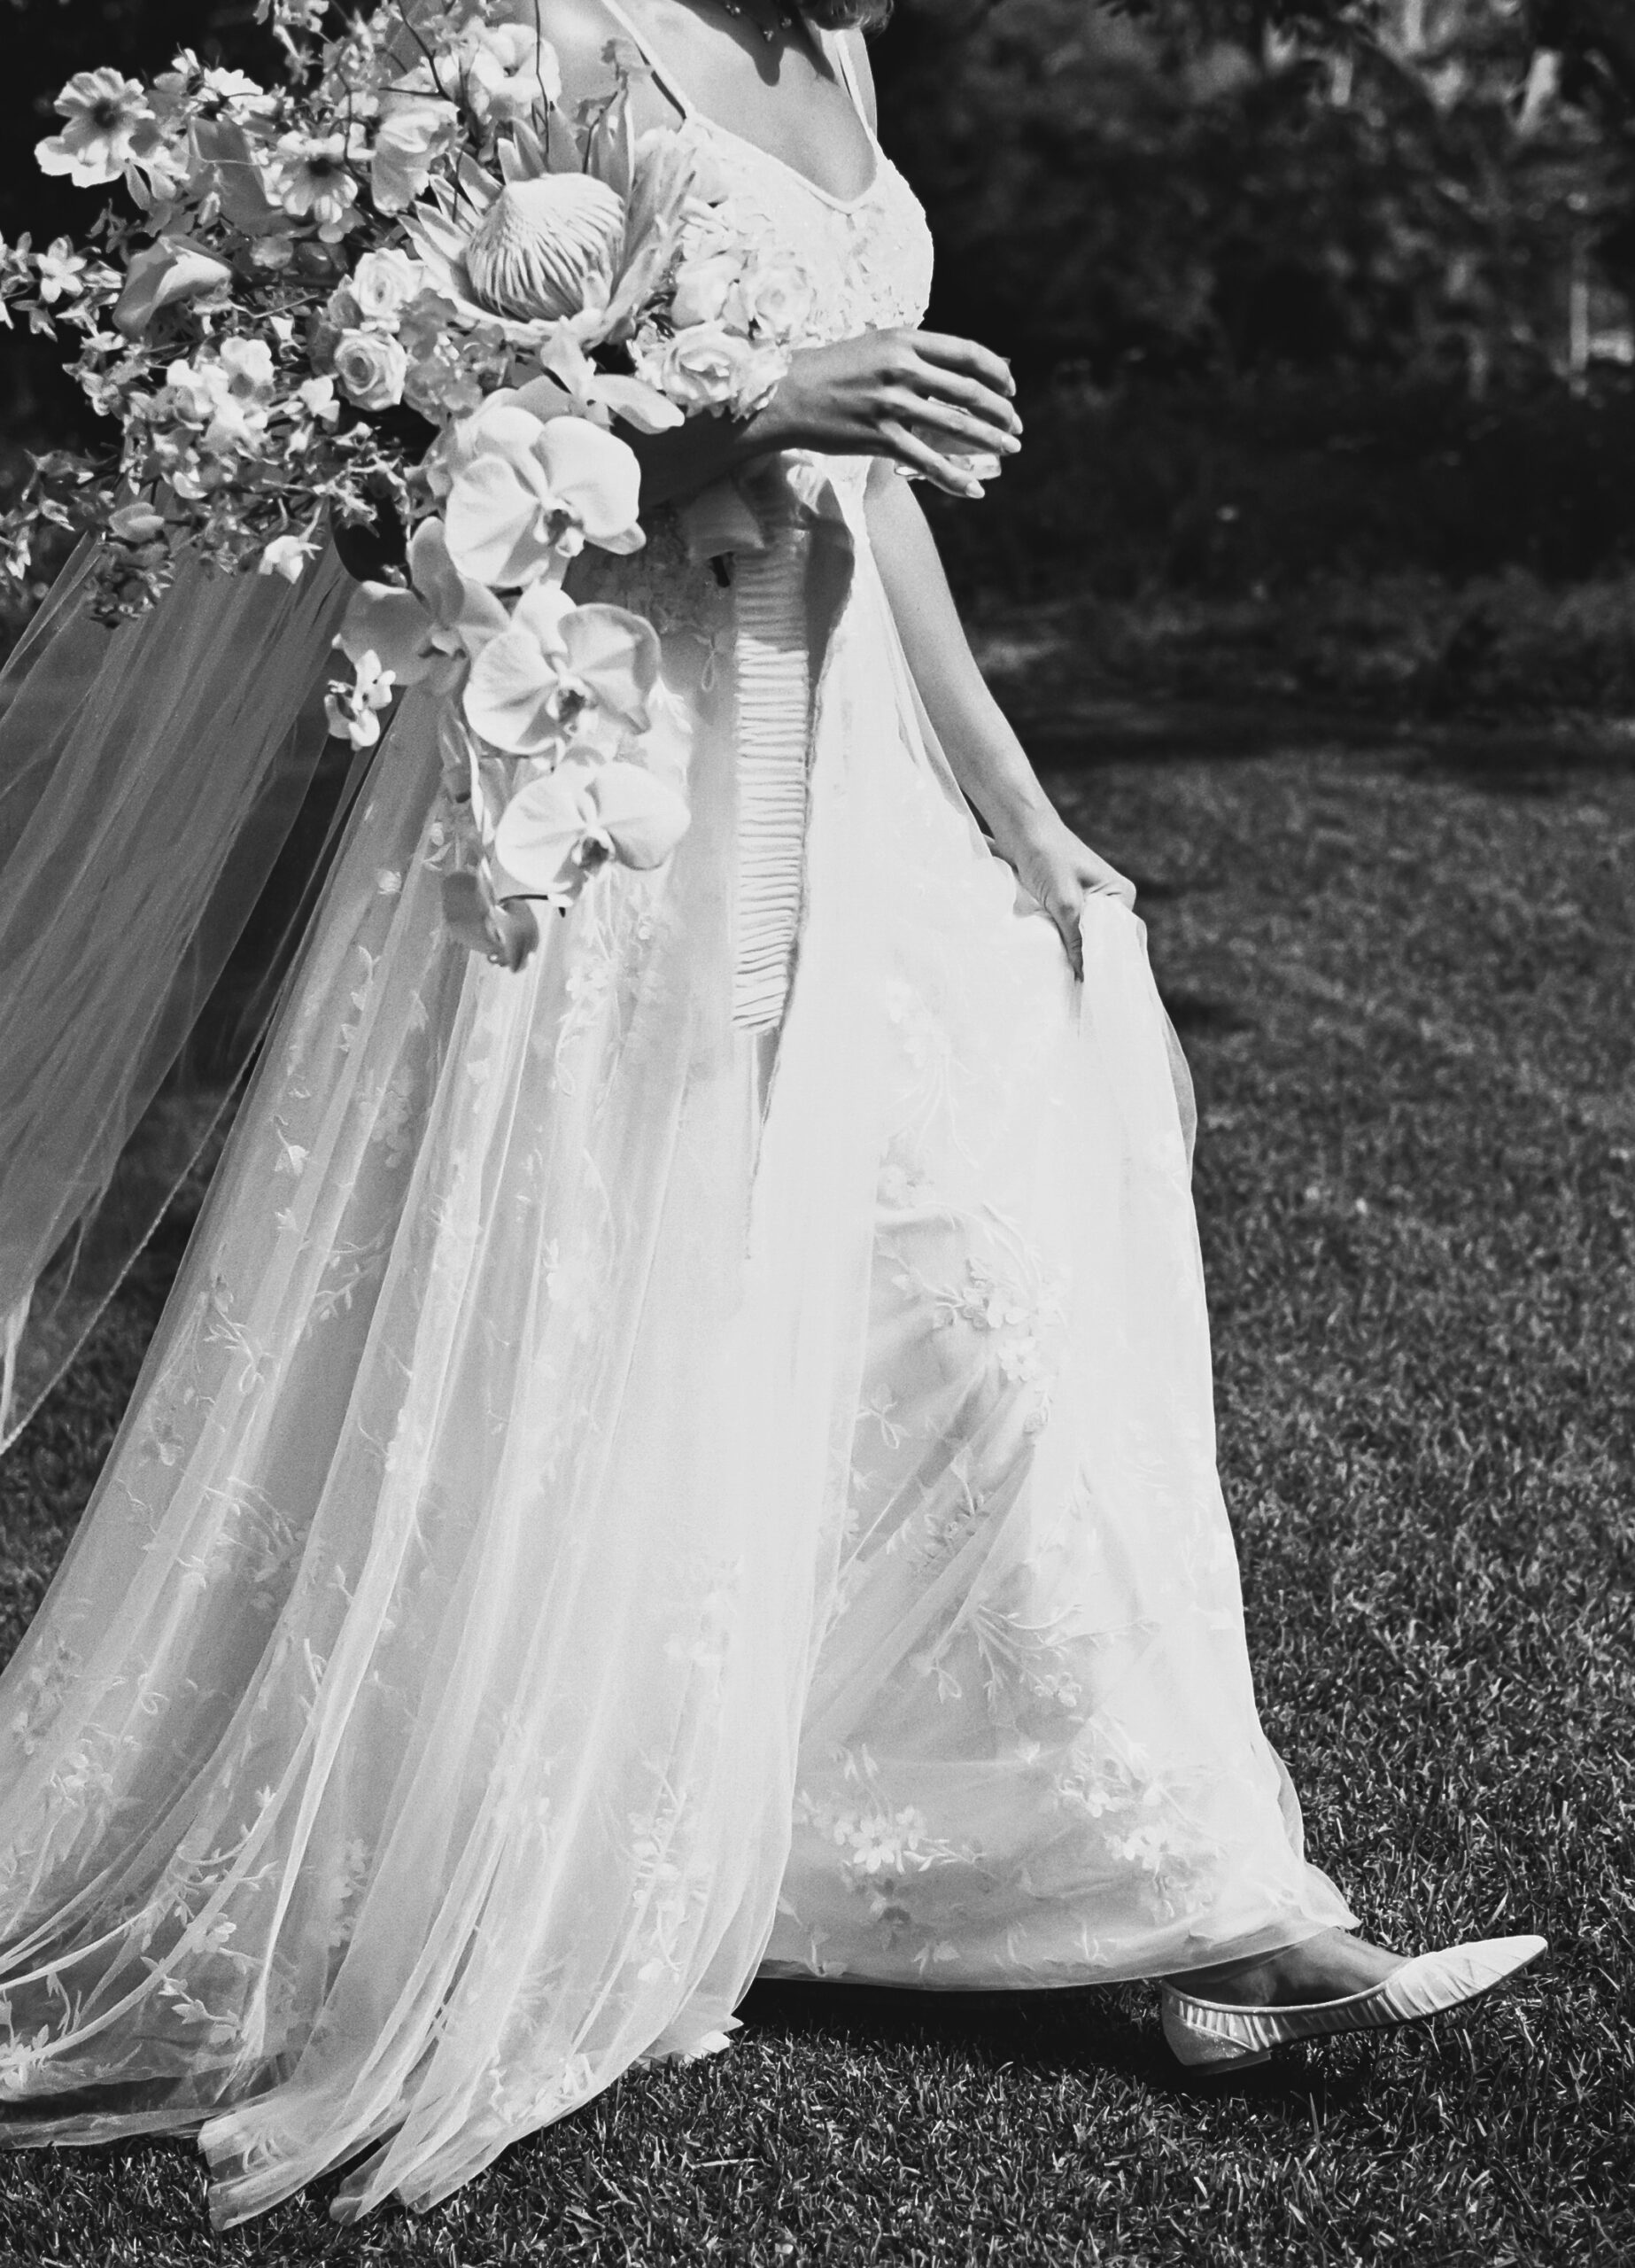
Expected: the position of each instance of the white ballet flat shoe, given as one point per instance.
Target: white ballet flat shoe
(1215, 2035)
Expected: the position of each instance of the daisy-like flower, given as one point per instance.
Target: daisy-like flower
(188, 76)
(312, 181)
(106, 112)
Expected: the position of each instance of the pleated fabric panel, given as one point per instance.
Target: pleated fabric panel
(774, 737)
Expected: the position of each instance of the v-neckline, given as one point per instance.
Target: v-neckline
(840, 73)
(823, 196)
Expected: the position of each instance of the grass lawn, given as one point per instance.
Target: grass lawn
(1405, 976)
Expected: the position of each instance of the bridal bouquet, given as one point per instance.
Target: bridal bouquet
(405, 294)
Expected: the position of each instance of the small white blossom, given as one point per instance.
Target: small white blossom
(353, 710)
(287, 556)
(61, 271)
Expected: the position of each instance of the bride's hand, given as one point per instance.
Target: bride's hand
(893, 393)
(1053, 867)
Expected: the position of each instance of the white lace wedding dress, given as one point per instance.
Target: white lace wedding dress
(626, 1493)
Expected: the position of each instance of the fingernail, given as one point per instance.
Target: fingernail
(1009, 446)
(973, 488)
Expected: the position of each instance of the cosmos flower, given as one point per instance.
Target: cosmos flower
(105, 113)
(312, 179)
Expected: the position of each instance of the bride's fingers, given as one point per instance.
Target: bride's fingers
(1067, 915)
(964, 426)
(969, 394)
(965, 355)
(907, 448)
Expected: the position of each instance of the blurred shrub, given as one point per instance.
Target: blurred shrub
(1222, 185)
(1261, 481)
(1289, 536)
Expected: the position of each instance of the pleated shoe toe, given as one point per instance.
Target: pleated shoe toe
(1216, 2035)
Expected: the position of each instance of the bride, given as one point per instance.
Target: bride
(693, 1459)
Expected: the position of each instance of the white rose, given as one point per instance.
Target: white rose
(383, 284)
(703, 288)
(371, 368)
(700, 367)
(777, 298)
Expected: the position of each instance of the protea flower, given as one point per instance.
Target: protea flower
(587, 257)
(547, 249)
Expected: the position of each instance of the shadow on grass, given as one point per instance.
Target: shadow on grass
(1076, 2031)
(1528, 759)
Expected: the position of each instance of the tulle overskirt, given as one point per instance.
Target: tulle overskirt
(613, 1495)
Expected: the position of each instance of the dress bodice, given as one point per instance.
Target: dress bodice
(869, 257)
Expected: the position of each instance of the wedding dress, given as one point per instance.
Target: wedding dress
(693, 1458)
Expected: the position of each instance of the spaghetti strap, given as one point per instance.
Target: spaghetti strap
(839, 55)
(661, 71)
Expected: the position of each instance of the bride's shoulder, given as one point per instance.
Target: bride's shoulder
(583, 34)
(580, 31)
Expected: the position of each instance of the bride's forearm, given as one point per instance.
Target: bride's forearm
(689, 457)
(981, 746)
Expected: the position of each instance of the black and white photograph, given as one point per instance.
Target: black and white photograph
(818, 1133)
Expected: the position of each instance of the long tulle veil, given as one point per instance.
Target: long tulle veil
(408, 1743)
(150, 777)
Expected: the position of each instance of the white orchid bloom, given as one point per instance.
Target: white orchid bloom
(557, 831)
(526, 496)
(429, 634)
(562, 674)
